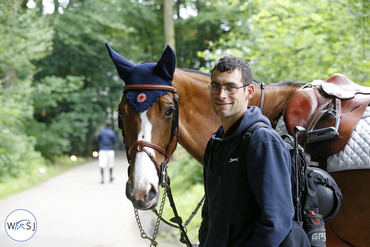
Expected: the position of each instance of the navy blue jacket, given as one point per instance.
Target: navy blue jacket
(246, 207)
(106, 139)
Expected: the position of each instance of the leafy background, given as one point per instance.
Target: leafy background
(58, 85)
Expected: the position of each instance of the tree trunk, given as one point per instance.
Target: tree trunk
(169, 28)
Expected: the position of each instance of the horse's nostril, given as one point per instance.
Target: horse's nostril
(129, 191)
(152, 193)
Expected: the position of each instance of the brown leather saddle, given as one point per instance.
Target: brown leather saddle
(329, 112)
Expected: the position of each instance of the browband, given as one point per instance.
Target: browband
(149, 87)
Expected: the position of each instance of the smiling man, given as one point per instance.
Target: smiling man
(246, 204)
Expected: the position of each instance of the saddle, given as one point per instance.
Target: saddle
(329, 111)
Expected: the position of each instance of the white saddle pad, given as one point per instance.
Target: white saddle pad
(356, 154)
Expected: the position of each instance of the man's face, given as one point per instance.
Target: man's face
(230, 107)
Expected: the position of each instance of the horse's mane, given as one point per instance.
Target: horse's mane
(286, 83)
(281, 83)
(194, 71)
(289, 82)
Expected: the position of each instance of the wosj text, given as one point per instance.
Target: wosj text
(21, 225)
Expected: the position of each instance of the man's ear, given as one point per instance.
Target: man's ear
(250, 91)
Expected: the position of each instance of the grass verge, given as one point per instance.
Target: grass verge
(36, 175)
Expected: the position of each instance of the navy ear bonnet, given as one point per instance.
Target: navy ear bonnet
(146, 73)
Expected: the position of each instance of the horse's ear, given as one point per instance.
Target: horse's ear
(167, 64)
(123, 65)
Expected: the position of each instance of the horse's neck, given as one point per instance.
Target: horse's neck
(198, 121)
(275, 99)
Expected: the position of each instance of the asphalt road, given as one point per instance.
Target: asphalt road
(74, 209)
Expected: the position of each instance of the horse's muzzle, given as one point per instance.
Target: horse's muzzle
(143, 200)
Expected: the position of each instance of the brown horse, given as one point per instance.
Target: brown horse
(197, 122)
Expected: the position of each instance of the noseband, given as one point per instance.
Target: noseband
(141, 146)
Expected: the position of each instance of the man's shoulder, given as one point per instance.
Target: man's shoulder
(264, 133)
(257, 128)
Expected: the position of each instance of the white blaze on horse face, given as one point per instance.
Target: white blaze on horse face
(145, 173)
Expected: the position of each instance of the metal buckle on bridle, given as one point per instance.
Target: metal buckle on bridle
(163, 175)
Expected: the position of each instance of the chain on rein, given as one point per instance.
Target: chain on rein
(164, 180)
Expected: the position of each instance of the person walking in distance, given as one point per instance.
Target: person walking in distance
(106, 140)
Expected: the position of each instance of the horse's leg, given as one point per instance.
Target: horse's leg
(352, 224)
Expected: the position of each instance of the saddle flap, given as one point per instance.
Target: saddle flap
(334, 90)
(300, 108)
(342, 87)
(305, 109)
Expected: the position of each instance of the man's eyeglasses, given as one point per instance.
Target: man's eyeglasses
(229, 88)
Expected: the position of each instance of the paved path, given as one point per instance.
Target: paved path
(74, 209)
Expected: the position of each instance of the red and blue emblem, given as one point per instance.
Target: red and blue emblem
(141, 97)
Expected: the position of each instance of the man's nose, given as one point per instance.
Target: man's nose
(222, 93)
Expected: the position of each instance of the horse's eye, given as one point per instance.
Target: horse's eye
(169, 112)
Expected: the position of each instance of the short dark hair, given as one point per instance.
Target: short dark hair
(231, 63)
(108, 123)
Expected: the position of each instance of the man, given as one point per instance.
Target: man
(106, 140)
(250, 206)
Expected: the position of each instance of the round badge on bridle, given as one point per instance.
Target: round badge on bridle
(141, 97)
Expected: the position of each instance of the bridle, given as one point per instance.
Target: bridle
(141, 146)
(164, 180)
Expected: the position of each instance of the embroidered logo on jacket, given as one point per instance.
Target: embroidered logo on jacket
(232, 160)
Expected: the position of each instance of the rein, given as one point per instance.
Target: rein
(164, 180)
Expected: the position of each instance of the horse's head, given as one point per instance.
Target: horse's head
(148, 117)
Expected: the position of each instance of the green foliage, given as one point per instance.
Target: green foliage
(50, 91)
(290, 40)
(25, 36)
(195, 33)
(79, 51)
(17, 152)
(51, 126)
(186, 169)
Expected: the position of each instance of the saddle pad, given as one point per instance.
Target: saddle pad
(356, 154)
(281, 127)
